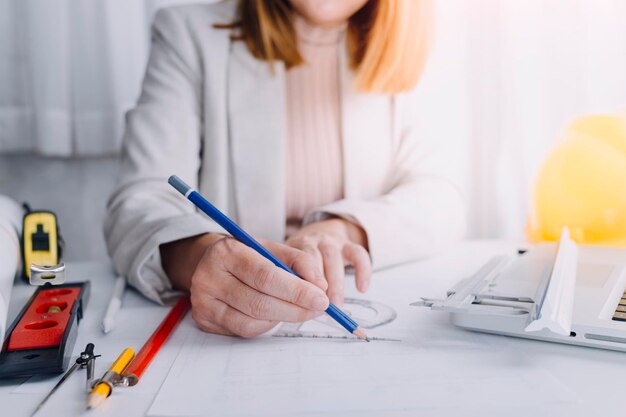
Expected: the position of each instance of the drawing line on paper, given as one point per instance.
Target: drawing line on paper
(369, 314)
(331, 336)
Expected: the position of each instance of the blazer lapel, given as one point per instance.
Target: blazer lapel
(257, 131)
(257, 127)
(367, 133)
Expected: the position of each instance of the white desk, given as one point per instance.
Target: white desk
(594, 378)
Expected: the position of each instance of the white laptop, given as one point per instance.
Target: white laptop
(562, 293)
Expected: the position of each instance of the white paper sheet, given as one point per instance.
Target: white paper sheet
(10, 229)
(433, 366)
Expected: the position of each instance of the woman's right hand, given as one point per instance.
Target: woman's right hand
(236, 291)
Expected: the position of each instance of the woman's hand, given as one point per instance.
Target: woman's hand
(336, 243)
(236, 291)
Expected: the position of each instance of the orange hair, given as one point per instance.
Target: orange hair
(387, 40)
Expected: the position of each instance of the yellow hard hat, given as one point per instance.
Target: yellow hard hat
(582, 185)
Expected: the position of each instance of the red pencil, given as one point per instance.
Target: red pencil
(137, 367)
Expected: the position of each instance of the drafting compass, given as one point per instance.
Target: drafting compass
(86, 359)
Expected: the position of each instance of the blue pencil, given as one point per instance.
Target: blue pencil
(241, 235)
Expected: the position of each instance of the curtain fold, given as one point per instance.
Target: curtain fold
(69, 70)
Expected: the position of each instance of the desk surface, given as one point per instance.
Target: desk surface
(592, 377)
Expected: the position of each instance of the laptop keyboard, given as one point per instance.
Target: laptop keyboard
(620, 311)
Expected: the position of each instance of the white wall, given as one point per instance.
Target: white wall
(76, 190)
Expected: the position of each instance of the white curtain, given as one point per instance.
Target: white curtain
(69, 70)
(503, 80)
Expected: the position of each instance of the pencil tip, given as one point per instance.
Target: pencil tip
(94, 400)
(361, 334)
(106, 326)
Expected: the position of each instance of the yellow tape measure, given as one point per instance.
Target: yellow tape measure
(41, 241)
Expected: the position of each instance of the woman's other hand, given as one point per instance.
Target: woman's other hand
(336, 243)
(236, 291)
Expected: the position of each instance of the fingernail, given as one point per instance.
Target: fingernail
(320, 303)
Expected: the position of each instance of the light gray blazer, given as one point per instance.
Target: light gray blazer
(212, 114)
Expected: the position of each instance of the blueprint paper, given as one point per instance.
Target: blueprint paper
(416, 364)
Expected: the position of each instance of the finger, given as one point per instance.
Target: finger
(358, 257)
(208, 327)
(334, 270)
(314, 251)
(310, 266)
(261, 306)
(200, 312)
(260, 274)
(234, 321)
(302, 263)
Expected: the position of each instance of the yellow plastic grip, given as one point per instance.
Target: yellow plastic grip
(40, 240)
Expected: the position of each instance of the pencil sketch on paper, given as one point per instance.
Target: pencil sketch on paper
(369, 315)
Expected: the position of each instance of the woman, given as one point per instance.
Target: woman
(293, 117)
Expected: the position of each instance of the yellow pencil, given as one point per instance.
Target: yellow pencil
(103, 389)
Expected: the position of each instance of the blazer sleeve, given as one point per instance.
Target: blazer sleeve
(421, 209)
(162, 137)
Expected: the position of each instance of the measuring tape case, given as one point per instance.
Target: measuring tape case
(42, 337)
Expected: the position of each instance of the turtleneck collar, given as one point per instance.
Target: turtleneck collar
(318, 35)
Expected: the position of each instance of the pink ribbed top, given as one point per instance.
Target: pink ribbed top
(314, 151)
